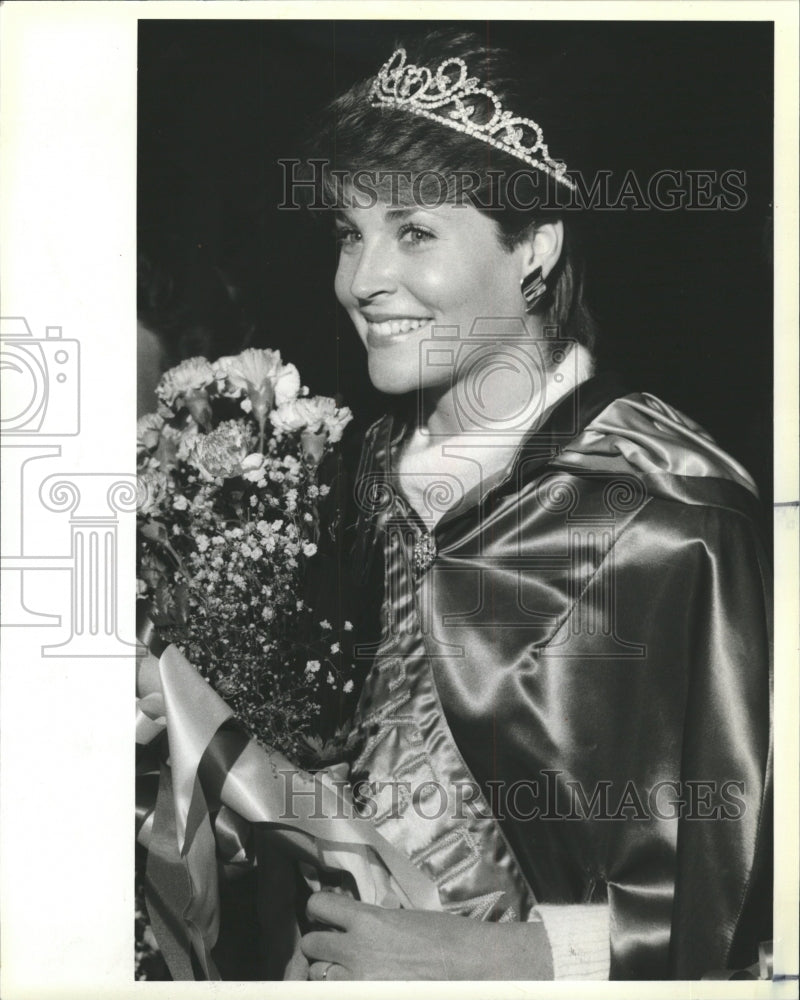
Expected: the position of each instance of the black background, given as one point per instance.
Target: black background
(684, 298)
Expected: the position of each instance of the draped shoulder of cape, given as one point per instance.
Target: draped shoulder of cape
(598, 625)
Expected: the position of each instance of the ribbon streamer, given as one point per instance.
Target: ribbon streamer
(217, 783)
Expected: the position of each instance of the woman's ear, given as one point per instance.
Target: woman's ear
(543, 248)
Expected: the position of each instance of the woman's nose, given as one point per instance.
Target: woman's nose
(375, 272)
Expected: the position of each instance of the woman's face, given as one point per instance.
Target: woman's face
(404, 271)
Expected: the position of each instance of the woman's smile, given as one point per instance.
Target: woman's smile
(383, 332)
(405, 272)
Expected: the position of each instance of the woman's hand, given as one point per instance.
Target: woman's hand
(361, 941)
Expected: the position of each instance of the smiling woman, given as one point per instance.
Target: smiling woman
(532, 687)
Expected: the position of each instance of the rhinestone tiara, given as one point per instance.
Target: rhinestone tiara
(445, 100)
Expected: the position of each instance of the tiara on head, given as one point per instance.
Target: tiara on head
(445, 100)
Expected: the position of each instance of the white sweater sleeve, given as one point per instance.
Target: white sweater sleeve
(579, 939)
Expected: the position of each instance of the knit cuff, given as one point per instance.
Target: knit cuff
(579, 939)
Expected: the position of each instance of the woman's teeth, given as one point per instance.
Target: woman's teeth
(394, 326)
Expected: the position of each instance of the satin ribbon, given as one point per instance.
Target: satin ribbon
(217, 782)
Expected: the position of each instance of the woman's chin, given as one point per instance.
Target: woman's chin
(392, 380)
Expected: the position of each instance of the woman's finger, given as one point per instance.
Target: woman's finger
(297, 968)
(324, 946)
(333, 908)
(327, 971)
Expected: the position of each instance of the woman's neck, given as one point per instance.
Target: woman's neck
(451, 463)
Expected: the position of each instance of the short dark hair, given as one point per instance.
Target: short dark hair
(352, 136)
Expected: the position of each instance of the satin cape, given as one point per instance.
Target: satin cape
(598, 622)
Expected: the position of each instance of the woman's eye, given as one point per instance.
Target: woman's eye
(415, 235)
(347, 237)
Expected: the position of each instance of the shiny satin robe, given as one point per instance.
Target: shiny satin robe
(596, 627)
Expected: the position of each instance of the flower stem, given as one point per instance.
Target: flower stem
(261, 425)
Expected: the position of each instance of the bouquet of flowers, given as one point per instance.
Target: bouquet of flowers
(243, 687)
(228, 523)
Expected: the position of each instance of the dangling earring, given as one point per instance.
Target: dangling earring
(533, 289)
